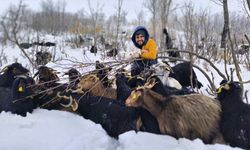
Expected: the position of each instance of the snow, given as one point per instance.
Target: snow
(59, 130)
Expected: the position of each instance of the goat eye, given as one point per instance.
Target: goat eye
(14, 70)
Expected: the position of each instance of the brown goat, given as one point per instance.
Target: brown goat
(190, 116)
(93, 85)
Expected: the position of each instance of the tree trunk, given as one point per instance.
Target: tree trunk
(226, 25)
(248, 4)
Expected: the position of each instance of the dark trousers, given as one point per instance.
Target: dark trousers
(139, 65)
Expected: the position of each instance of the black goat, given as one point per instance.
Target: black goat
(182, 72)
(10, 72)
(16, 99)
(93, 49)
(74, 77)
(113, 116)
(47, 44)
(25, 45)
(102, 73)
(166, 90)
(113, 52)
(235, 117)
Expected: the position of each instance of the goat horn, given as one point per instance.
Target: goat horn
(140, 88)
(4, 68)
(149, 85)
(74, 105)
(65, 97)
(68, 105)
(79, 91)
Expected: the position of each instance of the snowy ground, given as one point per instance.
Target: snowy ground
(57, 130)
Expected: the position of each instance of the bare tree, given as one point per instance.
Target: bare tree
(140, 18)
(165, 6)
(246, 4)
(225, 31)
(119, 10)
(152, 5)
(12, 24)
(95, 18)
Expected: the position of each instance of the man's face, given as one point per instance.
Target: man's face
(139, 39)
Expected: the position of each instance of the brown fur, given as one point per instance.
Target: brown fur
(93, 85)
(190, 116)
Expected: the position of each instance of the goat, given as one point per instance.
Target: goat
(25, 45)
(10, 72)
(113, 52)
(47, 89)
(74, 77)
(46, 76)
(182, 72)
(16, 99)
(48, 44)
(93, 49)
(162, 70)
(166, 90)
(235, 116)
(102, 73)
(93, 85)
(114, 117)
(149, 123)
(190, 116)
(42, 58)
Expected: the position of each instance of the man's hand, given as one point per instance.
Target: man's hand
(134, 55)
(144, 51)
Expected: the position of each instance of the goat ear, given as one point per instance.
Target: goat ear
(93, 78)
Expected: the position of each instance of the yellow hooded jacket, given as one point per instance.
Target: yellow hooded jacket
(151, 48)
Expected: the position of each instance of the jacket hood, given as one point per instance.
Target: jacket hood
(146, 36)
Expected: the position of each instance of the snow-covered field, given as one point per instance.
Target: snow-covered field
(57, 130)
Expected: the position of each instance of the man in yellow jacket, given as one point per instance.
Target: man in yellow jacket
(148, 50)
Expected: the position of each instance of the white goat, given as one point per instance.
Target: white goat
(162, 71)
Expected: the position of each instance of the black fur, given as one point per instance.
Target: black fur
(166, 90)
(102, 73)
(113, 52)
(114, 116)
(16, 101)
(74, 77)
(235, 117)
(181, 72)
(10, 73)
(93, 49)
